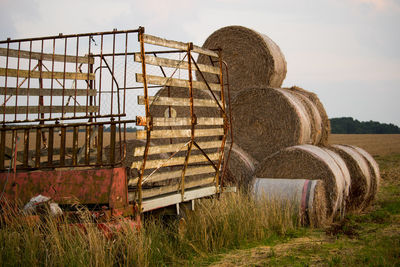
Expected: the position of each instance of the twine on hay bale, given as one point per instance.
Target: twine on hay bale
(266, 120)
(240, 169)
(360, 176)
(253, 58)
(325, 124)
(314, 163)
(308, 196)
(375, 174)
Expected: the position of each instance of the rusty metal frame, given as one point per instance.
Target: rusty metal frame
(147, 122)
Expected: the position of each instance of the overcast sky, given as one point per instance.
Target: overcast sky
(346, 51)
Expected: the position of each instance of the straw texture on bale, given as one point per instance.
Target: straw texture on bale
(325, 123)
(253, 58)
(375, 174)
(360, 176)
(240, 169)
(345, 176)
(314, 163)
(266, 120)
(308, 196)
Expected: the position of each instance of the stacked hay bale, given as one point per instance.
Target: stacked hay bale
(267, 119)
(286, 130)
(253, 58)
(315, 163)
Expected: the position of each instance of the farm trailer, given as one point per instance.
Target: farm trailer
(70, 102)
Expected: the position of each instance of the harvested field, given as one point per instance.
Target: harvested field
(375, 144)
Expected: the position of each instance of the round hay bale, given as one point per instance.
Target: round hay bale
(266, 120)
(345, 175)
(325, 123)
(253, 58)
(360, 176)
(308, 196)
(309, 161)
(375, 174)
(240, 169)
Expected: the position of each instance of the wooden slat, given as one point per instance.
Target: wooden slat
(146, 193)
(151, 164)
(46, 57)
(180, 133)
(47, 91)
(158, 177)
(162, 122)
(139, 151)
(166, 81)
(168, 200)
(46, 109)
(173, 63)
(46, 75)
(149, 39)
(180, 102)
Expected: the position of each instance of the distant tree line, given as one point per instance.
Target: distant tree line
(348, 125)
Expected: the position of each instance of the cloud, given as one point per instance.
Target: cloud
(379, 5)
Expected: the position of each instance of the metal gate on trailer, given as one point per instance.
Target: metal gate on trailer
(72, 102)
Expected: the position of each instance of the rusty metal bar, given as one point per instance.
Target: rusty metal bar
(52, 78)
(112, 143)
(38, 147)
(75, 145)
(50, 147)
(226, 160)
(76, 70)
(100, 144)
(2, 148)
(16, 91)
(26, 148)
(29, 80)
(149, 125)
(60, 36)
(70, 118)
(63, 138)
(21, 127)
(5, 83)
(87, 144)
(63, 85)
(192, 116)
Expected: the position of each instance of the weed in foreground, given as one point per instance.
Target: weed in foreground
(233, 221)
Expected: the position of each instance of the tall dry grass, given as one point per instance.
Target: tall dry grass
(231, 221)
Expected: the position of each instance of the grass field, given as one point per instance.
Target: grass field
(234, 231)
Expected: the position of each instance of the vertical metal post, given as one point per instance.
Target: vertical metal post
(38, 147)
(193, 119)
(112, 143)
(26, 148)
(2, 148)
(62, 145)
(50, 147)
(75, 146)
(148, 117)
(100, 144)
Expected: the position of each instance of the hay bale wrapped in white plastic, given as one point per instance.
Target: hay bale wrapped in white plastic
(308, 196)
(375, 174)
(240, 169)
(253, 58)
(266, 120)
(360, 177)
(315, 163)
